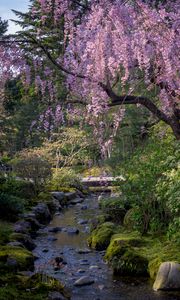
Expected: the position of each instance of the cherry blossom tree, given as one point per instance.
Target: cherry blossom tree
(116, 53)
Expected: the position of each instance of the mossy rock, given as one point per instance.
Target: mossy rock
(36, 287)
(101, 236)
(23, 258)
(123, 256)
(43, 282)
(25, 239)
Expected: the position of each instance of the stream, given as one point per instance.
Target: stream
(82, 261)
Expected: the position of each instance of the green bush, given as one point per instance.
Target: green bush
(10, 207)
(114, 208)
(30, 166)
(5, 231)
(65, 178)
(152, 185)
(17, 188)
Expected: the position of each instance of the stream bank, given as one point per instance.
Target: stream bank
(66, 238)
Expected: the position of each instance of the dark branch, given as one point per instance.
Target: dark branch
(129, 99)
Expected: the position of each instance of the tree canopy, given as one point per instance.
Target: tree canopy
(111, 53)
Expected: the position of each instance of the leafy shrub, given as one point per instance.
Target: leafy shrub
(65, 178)
(10, 207)
(18, 188)
(152, 181)
(30, 166)
(114, 208)
(5, 231)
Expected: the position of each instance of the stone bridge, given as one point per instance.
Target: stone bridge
(101, 181)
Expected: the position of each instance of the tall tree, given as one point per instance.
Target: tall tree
(117, 53)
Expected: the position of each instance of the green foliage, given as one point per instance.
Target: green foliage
(30, 166)
(151, 181)
(5, 231)
(68, 148)
(3, 27)
(65, 178)
(131, 254)
(10, 207)
(23, 257)
(114, 208)
(18, 188)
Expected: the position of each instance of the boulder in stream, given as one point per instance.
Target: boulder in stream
(42, 213)
(168, 277)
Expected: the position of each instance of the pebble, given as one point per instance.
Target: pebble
(80, 271)
(84, 280)
(83, 251)
(52, 239)
(93, 267)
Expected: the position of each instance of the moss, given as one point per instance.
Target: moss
(24, 258)
(129, 253)
(5, 231)
(101, 236)
(36, 287)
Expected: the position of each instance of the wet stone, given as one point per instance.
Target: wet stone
(76, 201)
(55, 296)
(83, 251)
(45, 250)
(55, 229)
(72, 230)
(93, 267)
(84, 280)
(82, 222)
(84, 207)
(81, 271)
(52, 239)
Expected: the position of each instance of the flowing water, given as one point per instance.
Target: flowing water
(66, 245)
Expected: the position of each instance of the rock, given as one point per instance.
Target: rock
(84, 262)
(28, 215)
(168, 277)
(35, 225)
(80, 271)
(72, 230)
(84, 207)
(101, 286)
(12, 263)
(71, 195)
(80, 194)
(82, 222)
(17, 258)
(52, 239)
(16, 244)
(42, 213)
(54, 205)
(93, 267)
(84, 280)
(57, 214)
(24, 239)
(22, 226)
(60, 196)
(101, 236)
(55, 296)
(83, 251)
(76, 201)
(55, 229)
